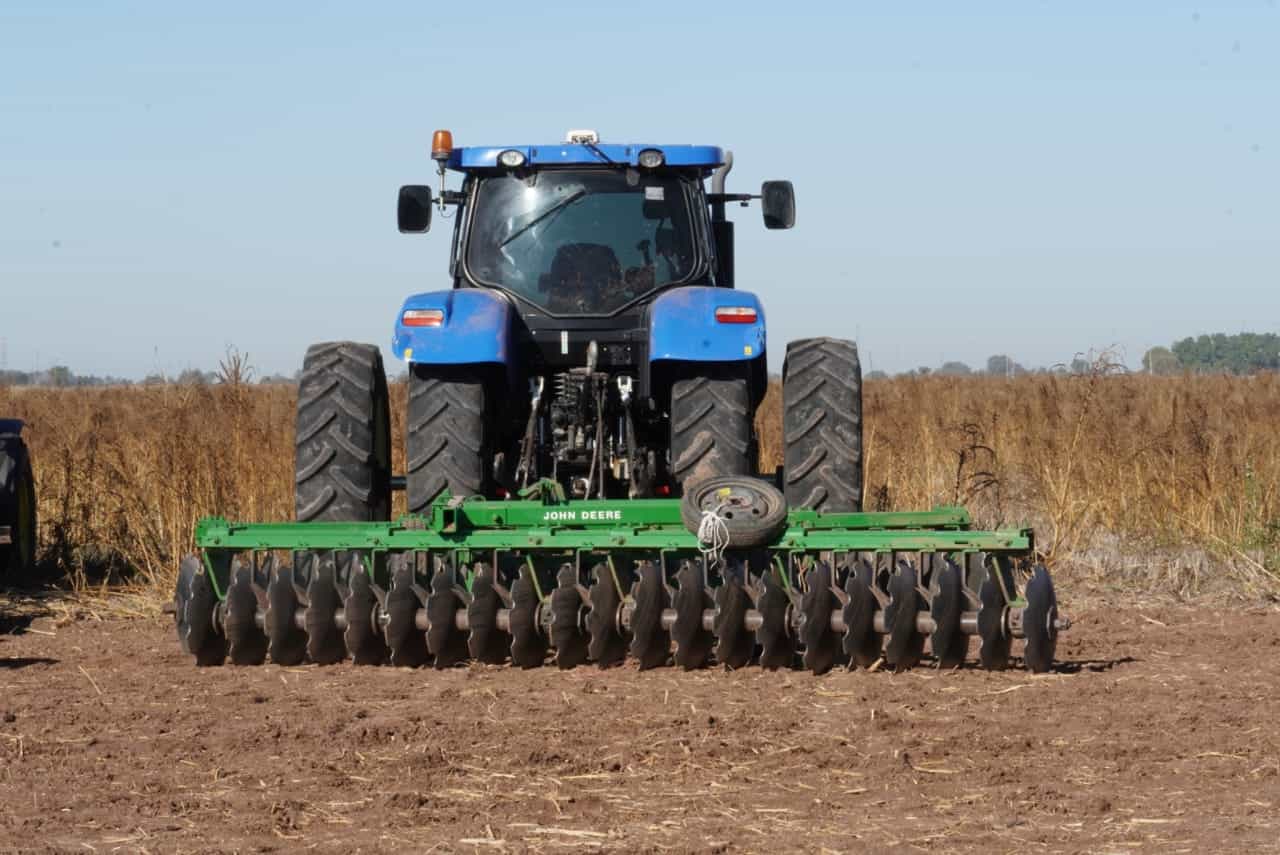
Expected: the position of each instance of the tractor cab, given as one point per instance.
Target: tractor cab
(583, 228)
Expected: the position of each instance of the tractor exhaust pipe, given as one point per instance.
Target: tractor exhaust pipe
(721, 228)
(717, 187)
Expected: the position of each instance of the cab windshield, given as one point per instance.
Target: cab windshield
(581, 242)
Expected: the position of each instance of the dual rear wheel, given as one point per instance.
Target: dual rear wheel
(712, 435)
(343, 445)
(343, 442)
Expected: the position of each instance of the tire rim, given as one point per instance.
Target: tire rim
(735, 498)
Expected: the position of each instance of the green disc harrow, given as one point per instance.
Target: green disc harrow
(574, 582)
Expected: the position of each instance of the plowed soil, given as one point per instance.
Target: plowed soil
(1158, 733)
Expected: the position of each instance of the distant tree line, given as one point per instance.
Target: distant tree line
(60, 376)
(999, 365)
(233, 370)
(1242, 353)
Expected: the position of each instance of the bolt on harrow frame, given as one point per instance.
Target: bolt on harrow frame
(596, 581)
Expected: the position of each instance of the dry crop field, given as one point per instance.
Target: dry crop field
(1156, 501)
(1165, 485)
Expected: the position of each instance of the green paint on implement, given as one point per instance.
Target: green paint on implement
(552, 525)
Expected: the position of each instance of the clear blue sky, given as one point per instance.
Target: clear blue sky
(1037, 178)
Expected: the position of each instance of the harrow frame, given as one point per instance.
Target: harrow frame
(474, 529)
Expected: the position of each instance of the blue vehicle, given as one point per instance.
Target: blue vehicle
(589, 333)
(17, 501)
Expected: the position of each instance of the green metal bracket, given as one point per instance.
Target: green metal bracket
(547, 490)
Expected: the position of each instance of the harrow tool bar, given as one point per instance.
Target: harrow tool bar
(516, 581)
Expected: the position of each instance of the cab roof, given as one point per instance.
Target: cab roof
(703, 157)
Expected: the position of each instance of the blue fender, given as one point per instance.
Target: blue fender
(683, 326)
(476, 328)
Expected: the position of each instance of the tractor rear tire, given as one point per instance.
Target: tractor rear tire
(711, 424)
(342, 456)
(17, 505)
(822, 425)
(448, 435)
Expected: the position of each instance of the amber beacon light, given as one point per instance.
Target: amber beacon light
(441, 145)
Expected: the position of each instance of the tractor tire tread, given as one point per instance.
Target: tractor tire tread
(822, 425)
(446, 434)
(711, 430)
(342, 466)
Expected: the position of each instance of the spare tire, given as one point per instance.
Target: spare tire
(752, 511)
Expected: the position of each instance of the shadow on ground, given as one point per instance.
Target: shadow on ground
(26, 662)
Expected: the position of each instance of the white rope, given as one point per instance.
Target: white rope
(713, 535)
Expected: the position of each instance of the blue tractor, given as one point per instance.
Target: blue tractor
(590, 334)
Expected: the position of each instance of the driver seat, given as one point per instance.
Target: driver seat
(581, 264)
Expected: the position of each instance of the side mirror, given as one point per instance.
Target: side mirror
(413, 212)
(778, 204)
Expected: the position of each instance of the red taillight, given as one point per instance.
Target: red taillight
(663, 490)
(422, 317)
(736, 315)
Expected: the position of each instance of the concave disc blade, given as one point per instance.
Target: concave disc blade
(246, 642)
(905, 644)
(286, 644)
(777, 646)
(948, 643)
(861, 642)
(407, 645)
(608, 644)
(567, 635)
(650, 643)
(324, 642)
(693, 641)
(485, 642)
(187, 569)
(445, 641)
(361, 637)
(821, 644)
(993, 652)
(735, 645)
(204, 639)
(1039, 622)
(528, 646)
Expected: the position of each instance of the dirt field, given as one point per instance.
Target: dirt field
(1159, 733)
